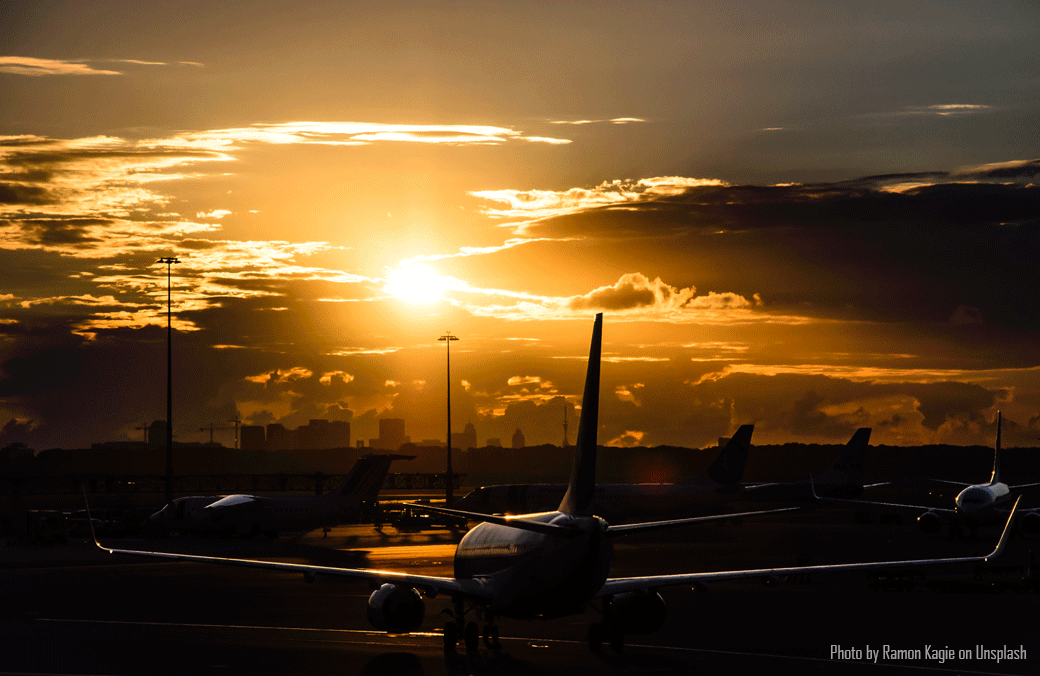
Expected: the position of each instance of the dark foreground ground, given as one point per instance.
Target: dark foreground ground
(73, 610)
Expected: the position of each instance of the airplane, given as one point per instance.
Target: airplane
(843, 479)
(544, 566)
(717, 487)
(975, 505)
(252, 514)
(618, 502)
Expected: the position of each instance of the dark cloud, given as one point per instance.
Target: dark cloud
(1013, 170)
(843, 250)
(59, 231)
(16, 193)
(795, 405)
(17, 431)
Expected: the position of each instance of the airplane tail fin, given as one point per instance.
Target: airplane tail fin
(847, 468)
(996, 454)
(728, 467)
(582, 488)
(366, 477)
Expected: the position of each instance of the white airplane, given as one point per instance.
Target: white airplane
(252, 514)
(975, 505)
(547, 565)
(176, 516)
(617, 502)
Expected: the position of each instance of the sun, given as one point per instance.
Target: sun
(416, 283)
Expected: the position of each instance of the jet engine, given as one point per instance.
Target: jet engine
(1031, 522)
(637, 612)
(930, 522)
(396, 610)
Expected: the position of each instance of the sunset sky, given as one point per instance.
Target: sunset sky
(812, 218)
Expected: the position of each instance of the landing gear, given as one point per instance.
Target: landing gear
(617, 641)
(451, 636)
(600, 632)
(472, 637)
(469, 632)
(606, 631)
(596, 637)
(491, 637)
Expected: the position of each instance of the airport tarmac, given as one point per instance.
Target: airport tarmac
(76, 610)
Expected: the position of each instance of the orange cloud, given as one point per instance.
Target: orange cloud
(25, 65)
(533, 205)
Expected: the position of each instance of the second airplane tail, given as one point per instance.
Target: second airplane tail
(847, 469)
(728, 467)
(366, 477)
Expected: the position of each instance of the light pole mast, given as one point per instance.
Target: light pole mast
(168, 262)
(449, 496)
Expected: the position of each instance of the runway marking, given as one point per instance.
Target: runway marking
(423, 634)
(530, 642)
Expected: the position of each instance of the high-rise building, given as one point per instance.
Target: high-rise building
(253, 437)
(465, 439)
(339, 434)
(157, 433)
(518, 439)
(316, 434)
(391, 434)
(279, 438)
(312, 435)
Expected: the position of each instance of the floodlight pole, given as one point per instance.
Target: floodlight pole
(168, 262)
(449, 497)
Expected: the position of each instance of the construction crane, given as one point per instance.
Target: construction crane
(144, 430)
(238, 423)
(212, 428)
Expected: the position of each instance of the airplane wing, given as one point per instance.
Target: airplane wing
(521, 522)
(428, 584)
(628, 528)
(873, 504)
(961, 484)
(1018, 486)
(612, 531)
(626, 584)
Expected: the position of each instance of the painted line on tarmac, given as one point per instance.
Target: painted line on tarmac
(519, 639)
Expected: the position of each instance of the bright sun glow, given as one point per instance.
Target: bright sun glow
(416, 284)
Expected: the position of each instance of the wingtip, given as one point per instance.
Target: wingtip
(1006, 535)
(90, 519)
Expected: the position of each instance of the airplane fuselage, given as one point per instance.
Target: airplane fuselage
(535, 574)
(979, 502)
(246, 513)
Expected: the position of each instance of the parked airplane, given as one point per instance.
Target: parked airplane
(843, 479)
(251, 514)
(619, 502)
(176, 516)
(544, 565)
(975, 505)
(713, 489)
